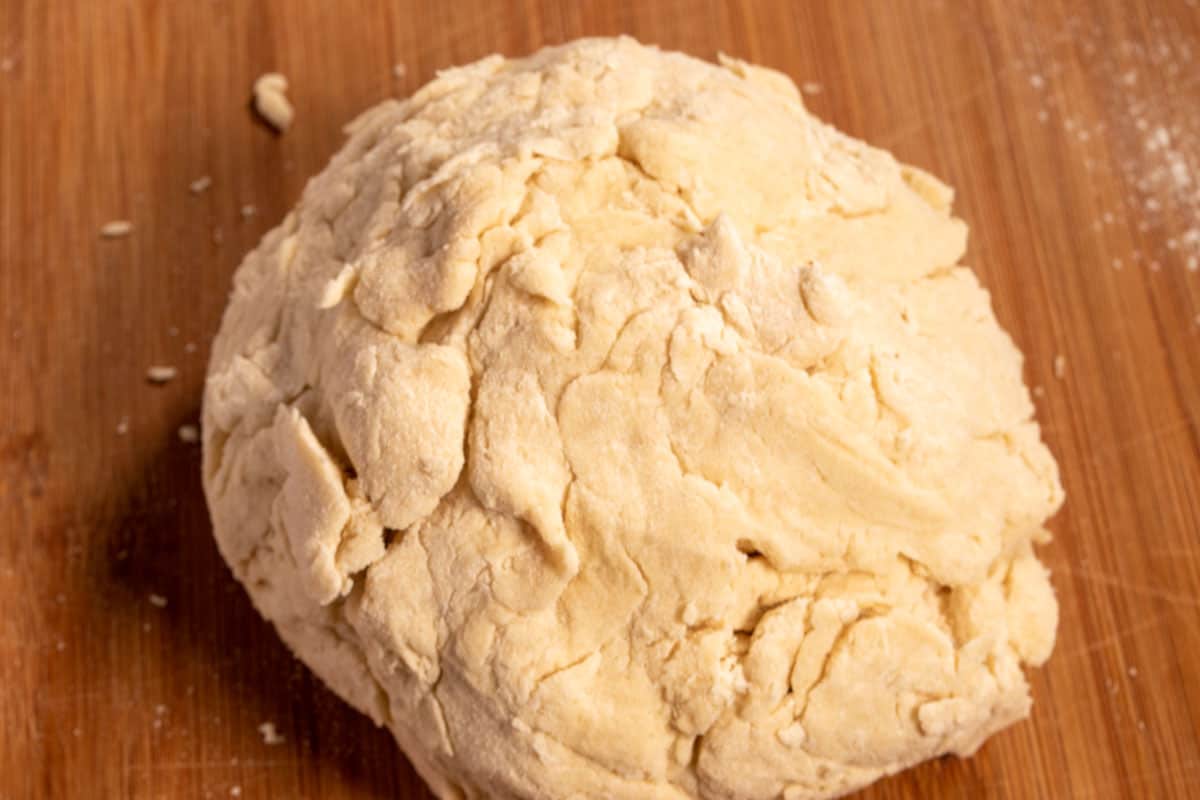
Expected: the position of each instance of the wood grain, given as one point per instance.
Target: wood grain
(1070, 129)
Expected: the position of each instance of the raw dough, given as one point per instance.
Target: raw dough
(606, 425)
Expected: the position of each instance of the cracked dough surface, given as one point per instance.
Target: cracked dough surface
(606, 425)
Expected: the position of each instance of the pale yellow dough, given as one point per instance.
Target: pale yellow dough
(607, 426)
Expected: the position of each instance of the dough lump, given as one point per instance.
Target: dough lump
(607, 426)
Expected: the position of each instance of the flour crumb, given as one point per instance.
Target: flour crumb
(60, 645)
(1043, 116)
(1060, 366)
(189, 434)
(218, 236)
(122, 426)
(811, 87)
(77, 732)
(200, 185)
(157, 600)
(159, 710)
(248, 211)
(189, 347)
(1193, 264)
(1039, 391)
(269, 734)
(161, 373)
(399, 71)
(1037, 81)
(235, 791)
(6, 65)
(116, 229)
(1129, 78)
(1133, 672)
(271, 103)
(1117, 263)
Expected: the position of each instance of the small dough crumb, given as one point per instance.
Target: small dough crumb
(249, 210)
(271, 102)
(1060, 366)
(161, 373)
(157, 600)
(269, 734)
(200, 185)
(189, 433)
(116, 229)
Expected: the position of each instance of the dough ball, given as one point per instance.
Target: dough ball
(606, 425)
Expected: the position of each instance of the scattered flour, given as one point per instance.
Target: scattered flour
(1157, 165)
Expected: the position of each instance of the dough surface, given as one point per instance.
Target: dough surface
(607, 426)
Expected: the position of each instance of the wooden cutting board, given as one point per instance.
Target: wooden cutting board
(131, 665)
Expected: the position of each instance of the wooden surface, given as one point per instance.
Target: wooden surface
(1071, 130)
